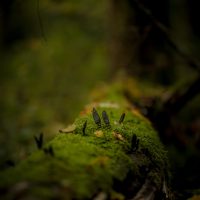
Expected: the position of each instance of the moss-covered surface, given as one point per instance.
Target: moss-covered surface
(91, 159)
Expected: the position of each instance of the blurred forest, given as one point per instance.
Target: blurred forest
(53, 53)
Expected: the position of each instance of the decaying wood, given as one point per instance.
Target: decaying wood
(105, 156)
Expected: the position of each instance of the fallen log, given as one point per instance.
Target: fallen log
(110, 152)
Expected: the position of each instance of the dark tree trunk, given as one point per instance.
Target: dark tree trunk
(137, 44)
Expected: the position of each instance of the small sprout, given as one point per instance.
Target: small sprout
(134, 143)
(105, 118)
(69, 129)
(49, 151)
(84, 127)
(122, 118)
(96, 117)
(39, 141)
(99, 133)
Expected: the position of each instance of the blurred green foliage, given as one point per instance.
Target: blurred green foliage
(44, 84)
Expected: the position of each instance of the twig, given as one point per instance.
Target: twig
(40, 21)
(178, 100)
(163, 118)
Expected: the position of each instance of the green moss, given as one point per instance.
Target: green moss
(91, 161)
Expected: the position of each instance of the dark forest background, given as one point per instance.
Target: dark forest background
(53, 53)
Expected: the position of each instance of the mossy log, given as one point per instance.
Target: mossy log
(110, 152)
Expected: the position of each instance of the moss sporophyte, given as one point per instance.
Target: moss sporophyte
(106, 154)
